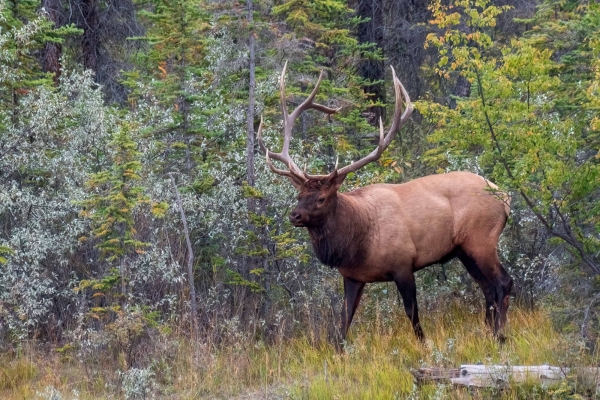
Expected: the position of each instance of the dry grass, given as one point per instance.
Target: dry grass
(376, 364)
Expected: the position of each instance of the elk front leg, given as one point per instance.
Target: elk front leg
(408, 290)
(352, 293)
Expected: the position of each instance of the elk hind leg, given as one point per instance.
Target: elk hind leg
(408, 290)
(495, 283)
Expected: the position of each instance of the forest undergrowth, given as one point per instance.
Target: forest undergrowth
(376, 363)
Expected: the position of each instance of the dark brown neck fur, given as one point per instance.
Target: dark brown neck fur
(342, 241)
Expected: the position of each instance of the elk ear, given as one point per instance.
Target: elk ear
(335, 180)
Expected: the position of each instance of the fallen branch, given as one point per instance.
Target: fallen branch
(498, 376)
(190, 264)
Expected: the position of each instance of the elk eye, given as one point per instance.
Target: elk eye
(321, 200)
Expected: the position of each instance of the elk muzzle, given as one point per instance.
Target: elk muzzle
(296, 218)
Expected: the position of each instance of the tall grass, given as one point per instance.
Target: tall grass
(376, 363)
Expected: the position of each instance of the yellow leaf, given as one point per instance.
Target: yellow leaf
(162, 69)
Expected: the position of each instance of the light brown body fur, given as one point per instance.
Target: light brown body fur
(384, 232)
(418, 223)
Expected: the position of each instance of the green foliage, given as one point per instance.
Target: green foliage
(320, 21)
(176, 50)
(45, 157)
(126, 331)
(4, 252)
(288, 246)
(235, 278)
(251, 192)
(203, 184)
(114, 199)
(513, 128)
(23, 33)
(101, 286)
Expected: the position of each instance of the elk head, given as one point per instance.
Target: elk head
(317, 194)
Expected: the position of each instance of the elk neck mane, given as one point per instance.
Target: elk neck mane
(342, 241)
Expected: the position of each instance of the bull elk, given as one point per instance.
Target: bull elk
(387, 232)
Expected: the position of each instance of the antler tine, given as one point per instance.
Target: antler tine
(290, 173)
(283, 156)
(309, 102)
(264, 148)
(278, 156)
(399, 122)
(288, 123)
(282, 92)
(321, 177)
(385, 140)
(259, 135)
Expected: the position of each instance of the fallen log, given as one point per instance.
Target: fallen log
(440, 375)
(498, 376)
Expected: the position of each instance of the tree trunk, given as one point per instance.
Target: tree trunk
(372, 70)
(405, 31)
(90, 42)
(190, 263)
(250, 116)
(122, 271)
(53, 51)
(462, 88)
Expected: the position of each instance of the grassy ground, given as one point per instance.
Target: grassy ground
(376, 364)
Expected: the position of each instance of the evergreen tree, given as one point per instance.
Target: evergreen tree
(115, 196)
(171, 68)
(22, 34)
(102, 46)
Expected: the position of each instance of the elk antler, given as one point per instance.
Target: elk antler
(384, 141)
(288, 122)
